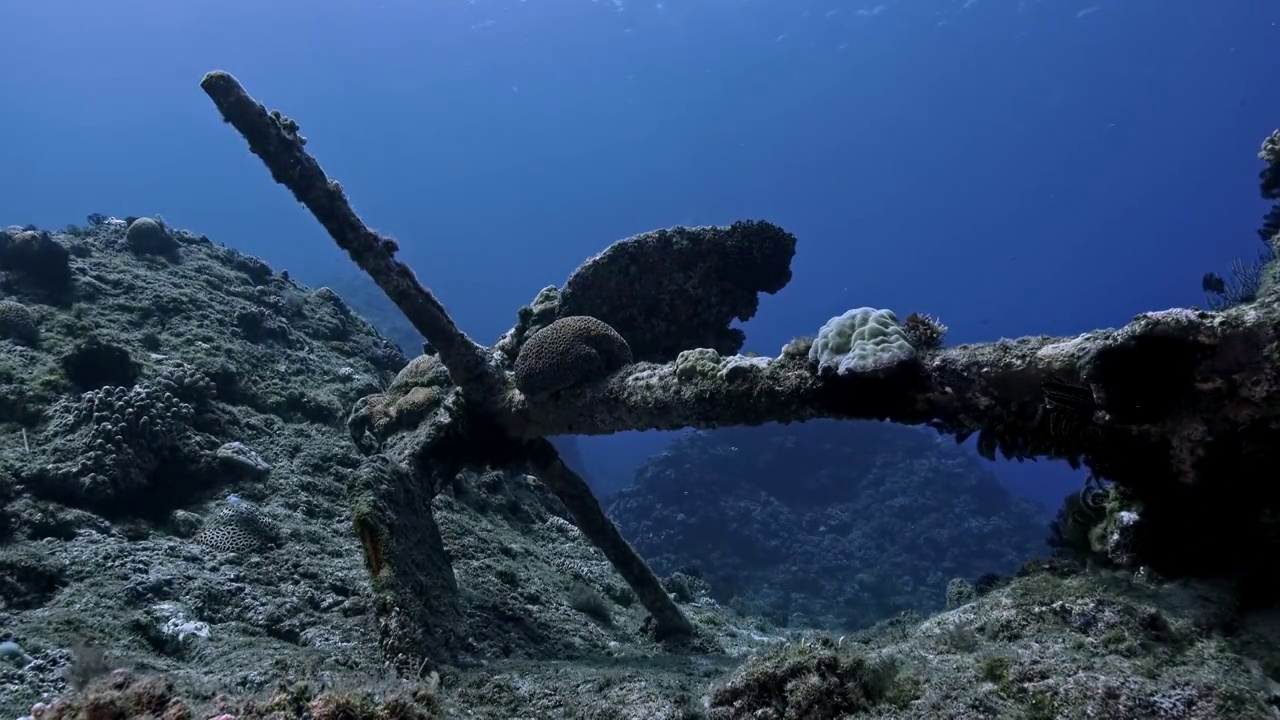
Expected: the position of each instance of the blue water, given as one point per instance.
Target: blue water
(1011, 166)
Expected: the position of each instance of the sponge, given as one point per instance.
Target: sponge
(861, 340)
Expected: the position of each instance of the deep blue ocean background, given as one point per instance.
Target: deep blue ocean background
(1010, 166)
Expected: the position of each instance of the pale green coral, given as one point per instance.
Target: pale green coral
(861, 340)
(697, 363)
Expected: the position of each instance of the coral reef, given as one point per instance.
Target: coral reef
(810, 678)
(144, 608)
(124, 694)
(1051, 643)
(835, 524)
(468, 559)
(122, 433)
(244, 541)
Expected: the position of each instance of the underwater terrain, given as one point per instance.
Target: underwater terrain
(826, 524)
(226, 495)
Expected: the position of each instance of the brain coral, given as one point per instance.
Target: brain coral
(146, 236)
(18, 323)
(570, 351)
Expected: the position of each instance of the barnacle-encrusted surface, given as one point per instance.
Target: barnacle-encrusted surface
(1163, 384)
(672, 290)
(418, 389)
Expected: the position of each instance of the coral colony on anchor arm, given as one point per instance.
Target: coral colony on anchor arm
(1170, 409)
